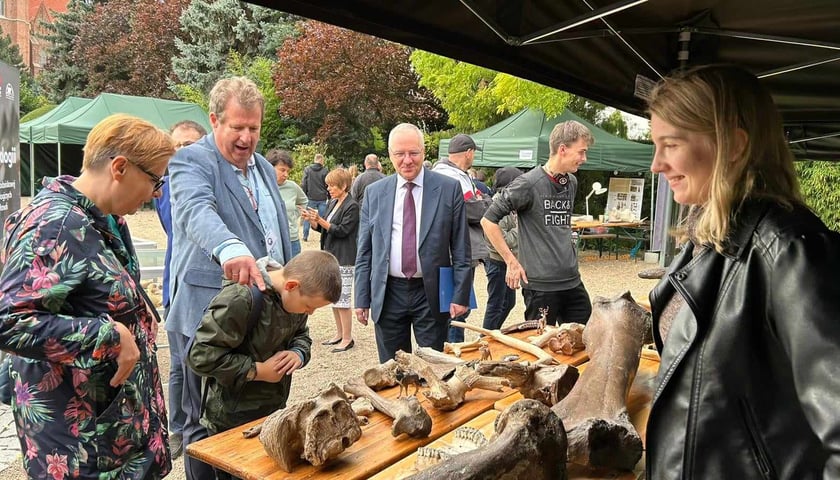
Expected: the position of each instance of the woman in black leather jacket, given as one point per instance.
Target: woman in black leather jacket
(746, 320)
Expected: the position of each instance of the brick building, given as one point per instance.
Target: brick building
(21, 20)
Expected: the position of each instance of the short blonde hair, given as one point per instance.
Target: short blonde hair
(144, 144)
(716, 101)
(242, 89)
(567, 133)
(340, 177)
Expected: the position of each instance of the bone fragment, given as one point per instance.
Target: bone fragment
(595, 412)
(457, 348)
(509, 341)
(547, 384)
(381, 376)
(529, 444)
(363, 407)
(409, 416)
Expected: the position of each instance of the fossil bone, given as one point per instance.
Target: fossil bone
(362, 407)
(409, 416)
(595, 412)
(458, 347)
(529, 444)
(381, 376)
(315, 430)
(509, 341)
(449, 394)
(568, 340)
(466, 439)
(521, 326)
(546, 383)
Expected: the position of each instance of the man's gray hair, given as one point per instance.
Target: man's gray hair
(407, 127)
(371, 161)
(242, 89)
(567, 133)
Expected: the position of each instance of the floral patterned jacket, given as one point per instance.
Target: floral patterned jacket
(69, 273)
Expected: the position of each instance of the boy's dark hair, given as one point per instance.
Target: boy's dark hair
(318, 274)
(276, 156)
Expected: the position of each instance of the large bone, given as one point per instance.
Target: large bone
(516, 343)
(409, 416)
(569, 340)
(381, 376)
(595, 412)
(529, 444)
(458, 347)
(546, 383)
(449, 395)
(314, 430)
(542, 339)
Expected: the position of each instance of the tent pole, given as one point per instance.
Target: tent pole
(31, 166)
(59, 160)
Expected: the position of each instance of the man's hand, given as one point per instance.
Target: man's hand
(515, 274)
(456, 310)
(129, 354)
(244, 271)
(362, 315)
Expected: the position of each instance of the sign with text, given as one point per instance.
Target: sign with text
(624, 199)
(9, 141)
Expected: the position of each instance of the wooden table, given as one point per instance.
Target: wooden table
(638, 406)
(374, 451)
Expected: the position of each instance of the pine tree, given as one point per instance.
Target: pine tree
(213, 29)
(61, 77)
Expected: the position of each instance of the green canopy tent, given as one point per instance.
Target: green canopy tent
(522, 141)
(73, 126)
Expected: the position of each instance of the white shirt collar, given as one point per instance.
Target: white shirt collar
(418, 180)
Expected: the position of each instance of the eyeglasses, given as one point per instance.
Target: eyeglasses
(156, 179)
(185, 143)
(413, 154)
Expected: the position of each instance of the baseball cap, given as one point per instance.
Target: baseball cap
(504, 176)
(461, 143)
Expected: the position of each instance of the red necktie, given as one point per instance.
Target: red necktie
(409, 234)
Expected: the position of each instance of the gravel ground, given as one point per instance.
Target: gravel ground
(602, 276)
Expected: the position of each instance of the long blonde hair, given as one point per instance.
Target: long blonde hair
(716, 101)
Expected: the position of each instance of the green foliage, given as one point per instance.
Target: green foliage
(188, 93)
(40, 111)
(212, 29)
(62, 77)
(31, 96)
(10, 53)
(303, 153)
(818, 181)
(477, 97)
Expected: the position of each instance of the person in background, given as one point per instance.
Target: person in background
(270, 350)
(293, 197)
(478, 178)
(462, 150)
(372, 173)
(543, 199)
(184, 133)
(339, 232)
(745, 320)
(226, 213)
(500, 297)
(413, 225)
(314, 185)
(88, 400)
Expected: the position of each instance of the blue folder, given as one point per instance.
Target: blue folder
(446, 287)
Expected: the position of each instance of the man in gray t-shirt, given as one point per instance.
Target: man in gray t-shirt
(543, 200)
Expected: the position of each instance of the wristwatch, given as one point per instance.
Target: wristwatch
(252, 373)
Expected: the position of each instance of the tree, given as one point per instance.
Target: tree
(477, 97)
(30, 93)
(126, 47)
(61, 77)
(818, 181)
(344, 87)
(214, 29)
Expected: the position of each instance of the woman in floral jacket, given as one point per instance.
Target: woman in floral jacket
(87, 397)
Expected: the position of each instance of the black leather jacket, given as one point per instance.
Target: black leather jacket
(749, 384)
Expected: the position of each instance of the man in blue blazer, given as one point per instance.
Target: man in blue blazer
(226, 212)
(412, 224)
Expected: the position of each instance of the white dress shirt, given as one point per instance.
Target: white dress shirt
(395, 266)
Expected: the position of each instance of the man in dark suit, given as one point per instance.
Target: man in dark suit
(413, 223)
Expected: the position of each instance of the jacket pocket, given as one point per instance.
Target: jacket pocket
(759, 450)
(204, 278)
(122, 429)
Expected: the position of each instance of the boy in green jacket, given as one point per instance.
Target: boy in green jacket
(249, 371)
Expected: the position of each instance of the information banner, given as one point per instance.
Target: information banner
(9, 141)
(624, 200)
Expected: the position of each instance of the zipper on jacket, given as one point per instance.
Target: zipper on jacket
(759, 453)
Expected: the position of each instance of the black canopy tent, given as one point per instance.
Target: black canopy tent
(611, 52)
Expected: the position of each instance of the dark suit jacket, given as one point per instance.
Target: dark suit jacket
(340, 238)
(444, 241)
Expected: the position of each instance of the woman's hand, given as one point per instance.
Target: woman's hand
(128, 357)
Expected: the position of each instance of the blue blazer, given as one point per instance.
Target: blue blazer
(210, 206)
(444, 241)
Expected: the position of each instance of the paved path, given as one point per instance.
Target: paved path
(9, 445)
